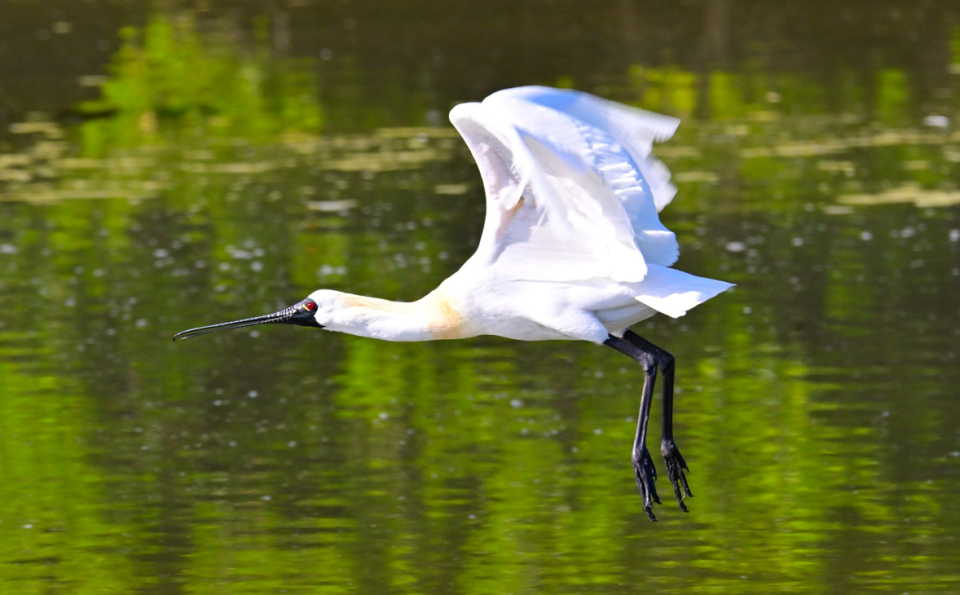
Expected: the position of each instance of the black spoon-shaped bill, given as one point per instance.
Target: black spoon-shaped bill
(301, 314)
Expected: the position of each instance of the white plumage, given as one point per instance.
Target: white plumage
(591, 195)
(572, 247)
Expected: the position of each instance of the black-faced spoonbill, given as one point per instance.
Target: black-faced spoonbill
(572, 248)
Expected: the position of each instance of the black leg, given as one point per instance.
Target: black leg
(671, 454)
(643, 469)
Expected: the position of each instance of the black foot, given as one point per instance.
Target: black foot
(675, 468)
(646, 475)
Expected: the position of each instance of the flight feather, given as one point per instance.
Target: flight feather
(569, 174)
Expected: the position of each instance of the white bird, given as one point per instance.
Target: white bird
(572, 248)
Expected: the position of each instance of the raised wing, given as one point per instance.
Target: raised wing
(572, 191)
(635, 130)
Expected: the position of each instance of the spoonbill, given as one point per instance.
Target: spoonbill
(572, 249)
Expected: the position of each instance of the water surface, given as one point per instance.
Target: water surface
(816, 403)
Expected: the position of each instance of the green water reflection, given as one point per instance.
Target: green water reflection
(817, 403)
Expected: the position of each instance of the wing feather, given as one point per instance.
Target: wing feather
(581, 165)
(634, 129)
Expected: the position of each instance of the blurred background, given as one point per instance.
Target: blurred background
(169, 164)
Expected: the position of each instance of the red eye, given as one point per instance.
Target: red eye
(308, 305)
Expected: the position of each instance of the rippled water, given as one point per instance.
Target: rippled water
(816, 404)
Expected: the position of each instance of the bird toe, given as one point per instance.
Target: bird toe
(675, 465)
(646, 475)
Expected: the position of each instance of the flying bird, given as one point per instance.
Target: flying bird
(572, 249)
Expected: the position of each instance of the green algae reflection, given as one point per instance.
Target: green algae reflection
(167, 78)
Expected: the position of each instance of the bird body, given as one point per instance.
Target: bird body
(472, 303)
(572, 247)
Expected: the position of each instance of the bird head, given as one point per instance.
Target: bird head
(303, 313)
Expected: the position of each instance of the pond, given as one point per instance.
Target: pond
(216, 161)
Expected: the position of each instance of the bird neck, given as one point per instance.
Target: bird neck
(435, 316)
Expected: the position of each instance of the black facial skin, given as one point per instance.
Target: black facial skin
(300, 314)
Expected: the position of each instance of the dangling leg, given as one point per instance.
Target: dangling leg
(671, 454)
(643, 469)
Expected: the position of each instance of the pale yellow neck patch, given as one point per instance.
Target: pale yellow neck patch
(436, 314)
(442, 316)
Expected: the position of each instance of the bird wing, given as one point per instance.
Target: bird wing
(572, 190)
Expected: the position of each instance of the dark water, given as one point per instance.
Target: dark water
(230, 159)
